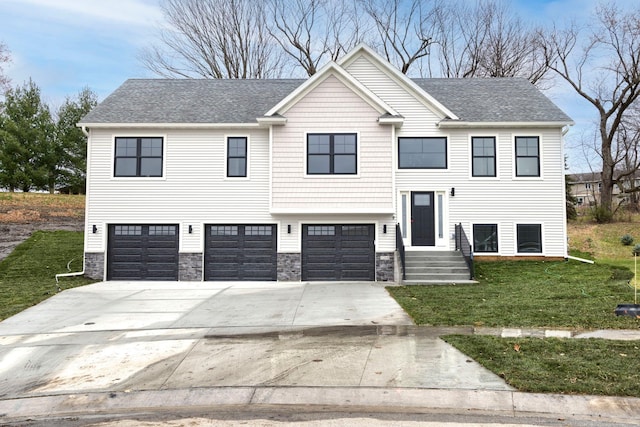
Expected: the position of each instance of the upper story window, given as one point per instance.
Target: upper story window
(332, 154)
(237, 156)
(527, 156)
(483, 152)
(138, 157)
(422, 153)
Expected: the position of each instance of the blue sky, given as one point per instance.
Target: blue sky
(65, 45)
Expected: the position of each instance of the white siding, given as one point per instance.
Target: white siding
(332, 108)
(193, 191)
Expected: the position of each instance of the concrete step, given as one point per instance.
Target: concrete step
(431, 263)
(450, 277)
(428, 270)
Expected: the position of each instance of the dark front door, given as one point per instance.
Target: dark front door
(423, 229)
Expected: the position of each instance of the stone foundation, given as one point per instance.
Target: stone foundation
(384, 266)
(94, 265)
(190, 267)
(289, 267)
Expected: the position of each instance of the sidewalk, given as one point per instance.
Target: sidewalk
(126, 347)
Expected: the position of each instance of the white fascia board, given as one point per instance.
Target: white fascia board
(452, 124)
(398, 77)
(347, 79)
(341, 211)
(169, 125)
(267, 121)
(397, 121)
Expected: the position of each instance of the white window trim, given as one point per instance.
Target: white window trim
(540, 156)
(226, 159)
(330, 175)
(498, 226)
(497, 155)
(515, 239)
(138, 178)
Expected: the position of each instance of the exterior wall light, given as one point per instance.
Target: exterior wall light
(453, 191)
(94, 229)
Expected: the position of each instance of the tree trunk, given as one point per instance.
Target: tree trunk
(606, 192)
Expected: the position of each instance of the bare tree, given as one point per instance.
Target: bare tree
(404, 29)
(486, 39)
(313, 31)
(5, 58)
(214, 39)
(606, 73)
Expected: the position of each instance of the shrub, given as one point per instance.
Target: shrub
(601, 215)
(636, 250)
(626, 240)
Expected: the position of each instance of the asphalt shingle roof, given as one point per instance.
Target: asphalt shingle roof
(242, 101)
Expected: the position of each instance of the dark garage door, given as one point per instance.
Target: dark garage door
(142, 252)
(338, 252)
(240, 252)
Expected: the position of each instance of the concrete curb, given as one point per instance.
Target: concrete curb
(379, 400)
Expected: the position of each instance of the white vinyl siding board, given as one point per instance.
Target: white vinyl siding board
(331, 107)
(193, 191)
(505, 201)
(290, 242)
(419, 120)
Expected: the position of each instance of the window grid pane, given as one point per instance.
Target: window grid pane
(138, 157)
(224, 230)
(527, 156)
(484, 156)
(237, 157)
(355, 230)
(329, 154)
(162, 230)
(128, 230)
(321, 230)
(422, 153)
(258, 230)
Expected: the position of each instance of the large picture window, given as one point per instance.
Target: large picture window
(332, 154)
(485, 238)
(527, 156)
(138, 157)
(422, 153)
(529, 238)
(483, 152)
(237, 156)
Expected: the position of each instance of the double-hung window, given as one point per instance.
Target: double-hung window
(332, 154)
(483, 153)
(422, 153)
(138, 157)
(527, 156)
(237, 156)
(485, 238)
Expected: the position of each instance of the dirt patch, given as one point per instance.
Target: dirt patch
(23, 213)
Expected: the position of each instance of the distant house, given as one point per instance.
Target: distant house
(320, 179)
(586, 188)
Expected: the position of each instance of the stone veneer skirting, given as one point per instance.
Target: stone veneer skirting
(190, 267)
(289, 267)
(384, 266)
(94, 265)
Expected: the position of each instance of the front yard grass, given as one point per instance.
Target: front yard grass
(558, 294)
(27, 276)
(551, 365)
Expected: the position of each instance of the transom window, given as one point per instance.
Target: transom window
(332, 154)
(483, 152)
(258, 230)
(527, 156)
(128, 230)
(485, 238)
(321, 230)
(224, 230)
(162, 230)
(422, 153)
(355, 230)
(529, 238)
(237, 156)
(138, 157)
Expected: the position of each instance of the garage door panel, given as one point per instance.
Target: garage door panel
(240, 252)
(338, 252)
(142, 252)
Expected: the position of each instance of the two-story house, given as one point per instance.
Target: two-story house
(310, 179)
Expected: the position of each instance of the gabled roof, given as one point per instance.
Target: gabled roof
(506, 99)
(190, 101)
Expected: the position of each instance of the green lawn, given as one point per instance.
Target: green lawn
(526, 294)
(568, 366)
(27, 276)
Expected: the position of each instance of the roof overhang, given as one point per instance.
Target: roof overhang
(386, 119)
(277, 120)
(460, 124)
(168, 125)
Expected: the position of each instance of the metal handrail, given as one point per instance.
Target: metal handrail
(463, 245)
(400, 248)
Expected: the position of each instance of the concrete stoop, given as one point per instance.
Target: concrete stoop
(436, 267)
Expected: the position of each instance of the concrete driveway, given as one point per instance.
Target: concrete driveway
(141, 336)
